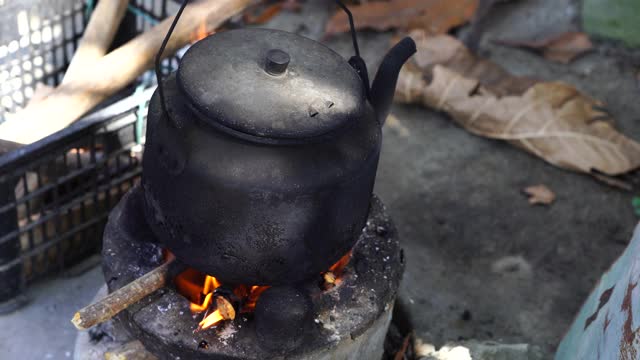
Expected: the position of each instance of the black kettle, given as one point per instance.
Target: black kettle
(262, 151)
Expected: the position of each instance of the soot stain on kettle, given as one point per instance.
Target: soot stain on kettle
(269, 236)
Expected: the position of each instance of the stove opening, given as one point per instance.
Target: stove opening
(219, 302)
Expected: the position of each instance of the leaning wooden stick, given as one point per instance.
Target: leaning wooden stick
(95, 42)
(69, 101)
(97, 37)
(8, 146)
(122, 298)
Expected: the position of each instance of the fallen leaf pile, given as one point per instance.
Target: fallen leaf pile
(433, 16)
(539, 194)
(561, 48)
(549, 119)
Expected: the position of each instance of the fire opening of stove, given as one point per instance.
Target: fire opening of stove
(218, 302)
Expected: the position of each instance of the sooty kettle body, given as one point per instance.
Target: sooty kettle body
(260, 164)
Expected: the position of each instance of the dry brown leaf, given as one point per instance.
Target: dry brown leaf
(394, 123)
(616, 182)
(549, 119)
(562, 48)
(449, 52)
(540, 194)
(433, 16)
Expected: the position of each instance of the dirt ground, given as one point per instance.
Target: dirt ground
(482, 263)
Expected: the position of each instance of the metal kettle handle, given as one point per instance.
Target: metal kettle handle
(159, 57)
(356, 61)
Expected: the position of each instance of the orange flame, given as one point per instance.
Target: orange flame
(200, 33)
(211, 320)
(195, 308)
(210, 284)
(339, 266)
(199, 289)
(254, 294)
(189, 285)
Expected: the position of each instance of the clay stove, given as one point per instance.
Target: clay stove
(315, 320)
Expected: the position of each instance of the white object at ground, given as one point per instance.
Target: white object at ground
(608, 325)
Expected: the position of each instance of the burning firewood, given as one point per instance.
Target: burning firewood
(114, 71)
(224, 311)
(207, 294)
(329, 280)
(329, 277)
(225, 307)
(124, 297)
(133, 350)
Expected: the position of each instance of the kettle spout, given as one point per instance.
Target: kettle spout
(384, 84)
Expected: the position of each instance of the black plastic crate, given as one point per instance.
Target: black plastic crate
(56, 194)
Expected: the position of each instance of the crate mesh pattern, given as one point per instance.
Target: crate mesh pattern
(56, 194)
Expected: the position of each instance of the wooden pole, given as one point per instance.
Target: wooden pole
(97, 37)
(122, 298)
(133, 350)
(69, 101)
(8, 146)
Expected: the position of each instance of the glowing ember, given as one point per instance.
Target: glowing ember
(329, 277)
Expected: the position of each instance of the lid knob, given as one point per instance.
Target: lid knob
(277, 62)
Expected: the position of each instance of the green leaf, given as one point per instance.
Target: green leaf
(635, 202)
(616, 19)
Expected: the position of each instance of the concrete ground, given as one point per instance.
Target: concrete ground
(482, 263)
(42, 329)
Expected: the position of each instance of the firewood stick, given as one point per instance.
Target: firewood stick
(405, 345)
(97, 36)
(133, 350)
(114, 71)
(122, 298)
(96, 39)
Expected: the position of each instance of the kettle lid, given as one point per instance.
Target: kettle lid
(270, 85)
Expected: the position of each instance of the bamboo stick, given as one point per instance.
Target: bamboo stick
(114, 71)
(122, 298)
